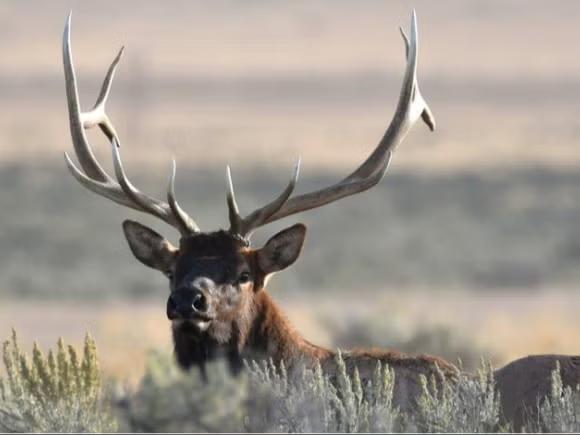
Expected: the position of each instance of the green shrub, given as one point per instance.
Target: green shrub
(560, 411)
(63, 392)
(264, 398)
(307, 400)
(271, 398)
(60, 392)
(469, 404)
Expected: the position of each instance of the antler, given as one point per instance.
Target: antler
(94, 177)
(411, 106)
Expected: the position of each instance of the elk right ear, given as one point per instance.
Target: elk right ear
(149, 247)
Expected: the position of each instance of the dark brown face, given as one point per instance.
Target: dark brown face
(212, 284)
(213, 276)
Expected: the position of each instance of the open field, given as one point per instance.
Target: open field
(473, 231)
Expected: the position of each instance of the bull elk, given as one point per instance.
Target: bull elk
(218, 304)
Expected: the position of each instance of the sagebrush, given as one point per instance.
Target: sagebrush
(560, 410)
(59, 392)
(63, 392)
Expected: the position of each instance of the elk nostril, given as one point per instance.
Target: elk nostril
(171, 308)
(199, 302)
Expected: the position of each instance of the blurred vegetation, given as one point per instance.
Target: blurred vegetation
(501, 229)
(384, 333)
(169, 400)
(62, 392)
(264, 398)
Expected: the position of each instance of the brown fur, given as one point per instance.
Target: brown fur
(525, 381)
(266, 333)
(520, 384)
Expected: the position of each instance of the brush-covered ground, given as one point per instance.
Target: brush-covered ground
(62, 390)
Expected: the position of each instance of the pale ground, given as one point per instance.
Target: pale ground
(509, 325)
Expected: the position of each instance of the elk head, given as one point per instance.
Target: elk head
(215, 277)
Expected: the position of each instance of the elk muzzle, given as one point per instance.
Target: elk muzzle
(190, 304)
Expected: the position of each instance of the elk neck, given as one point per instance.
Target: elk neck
(273, 336)
(265, 334)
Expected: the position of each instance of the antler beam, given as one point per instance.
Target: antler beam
(94, 177)
(410, 108)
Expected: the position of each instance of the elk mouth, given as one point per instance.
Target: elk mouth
(194, 325)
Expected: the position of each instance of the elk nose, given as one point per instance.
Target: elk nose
(186, 303)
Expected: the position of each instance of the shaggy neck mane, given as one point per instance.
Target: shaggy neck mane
(273, 336)
(267, 334)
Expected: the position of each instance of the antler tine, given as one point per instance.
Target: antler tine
(186, 224)
(233, 210)
(410, 108)
(406, 41)
(245, 226)
(143, 201)
(94, 177)
(80, 143)
(104, 122)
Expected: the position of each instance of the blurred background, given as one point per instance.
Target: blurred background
(469, 247)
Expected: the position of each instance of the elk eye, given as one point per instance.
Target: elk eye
(244, 278)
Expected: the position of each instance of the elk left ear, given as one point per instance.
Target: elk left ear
(282, 250)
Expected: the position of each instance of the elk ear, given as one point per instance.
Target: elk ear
(282, 250)
(149, 247)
